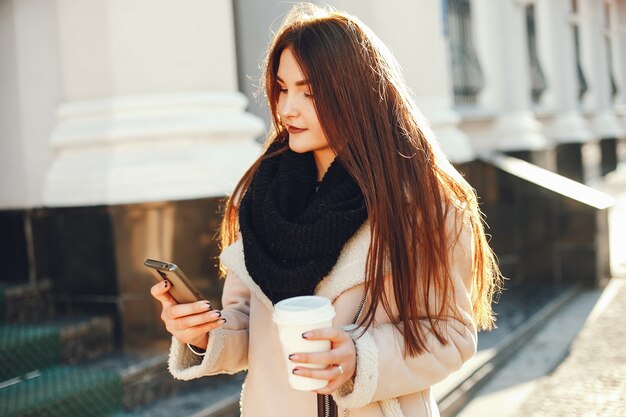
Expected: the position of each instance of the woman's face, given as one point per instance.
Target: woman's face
(296, 109)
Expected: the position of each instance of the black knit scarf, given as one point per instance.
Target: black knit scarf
(293, 234)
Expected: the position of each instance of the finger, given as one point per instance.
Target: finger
(192, 333)
(330, 373)
(187, 309)
(319, 358)
(206, 328)
(199, 319)
(334, 334)
(160, 291)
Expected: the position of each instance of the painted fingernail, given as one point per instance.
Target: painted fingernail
(208, 306)
(295, 371)
(291, 357)
(164, 284)
(223, 320)
(306, 335)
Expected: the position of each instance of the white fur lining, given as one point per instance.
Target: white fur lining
(361, 392)
(348, 272)
(183, 364)
(391, 408)
(233, 258)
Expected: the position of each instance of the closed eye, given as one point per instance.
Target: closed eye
(283, 90)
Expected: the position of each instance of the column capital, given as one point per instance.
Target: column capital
(150, 148)
(153, 112)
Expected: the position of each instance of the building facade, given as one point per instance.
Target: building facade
(124, 124)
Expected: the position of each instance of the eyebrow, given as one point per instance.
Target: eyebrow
(298, 83)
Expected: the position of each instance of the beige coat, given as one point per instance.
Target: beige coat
(386, 384)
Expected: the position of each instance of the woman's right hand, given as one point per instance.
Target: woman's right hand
(189, 323)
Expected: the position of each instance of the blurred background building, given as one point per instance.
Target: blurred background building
(123, 124)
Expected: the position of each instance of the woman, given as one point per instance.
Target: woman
(351, 200)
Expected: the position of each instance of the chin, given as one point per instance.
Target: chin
(298, 146)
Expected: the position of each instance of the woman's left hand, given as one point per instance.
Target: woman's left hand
(340, 357)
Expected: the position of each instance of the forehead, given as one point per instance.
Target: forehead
(288, 68)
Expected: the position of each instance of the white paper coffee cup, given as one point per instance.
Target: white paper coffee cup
(294, 316)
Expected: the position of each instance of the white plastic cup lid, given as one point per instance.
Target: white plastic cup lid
(305, 309)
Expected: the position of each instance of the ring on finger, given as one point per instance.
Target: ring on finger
(340, 369)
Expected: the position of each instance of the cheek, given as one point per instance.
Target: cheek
(279, 105)
(319, 136)
(314, 123)
(319, 132)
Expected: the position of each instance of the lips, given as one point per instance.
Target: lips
(293, 129)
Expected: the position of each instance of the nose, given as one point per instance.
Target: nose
(287, 107)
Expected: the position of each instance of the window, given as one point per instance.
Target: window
(467, 76)
(537, 77)
(582, 82)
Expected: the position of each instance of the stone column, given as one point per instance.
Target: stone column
(502, 47)
(413, 31)
(568, 130)
(29, 93)
(598, 102)
(150, 103)
(150, 115)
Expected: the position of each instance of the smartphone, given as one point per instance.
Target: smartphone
(181, 289)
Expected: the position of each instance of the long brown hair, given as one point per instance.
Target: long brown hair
(382, 140)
